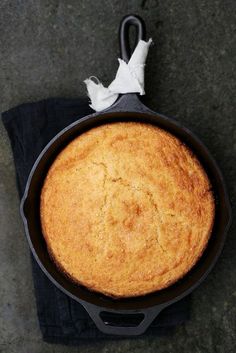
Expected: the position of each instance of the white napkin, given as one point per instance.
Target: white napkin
(129, 79)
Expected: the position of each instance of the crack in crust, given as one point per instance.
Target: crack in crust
(152, 201)
(102, 223)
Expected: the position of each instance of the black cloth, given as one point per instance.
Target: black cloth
(62, 320)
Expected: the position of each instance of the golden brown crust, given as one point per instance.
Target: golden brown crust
(126, 209)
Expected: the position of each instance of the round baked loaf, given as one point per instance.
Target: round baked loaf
(126, 209)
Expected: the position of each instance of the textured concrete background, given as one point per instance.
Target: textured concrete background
(47, 49)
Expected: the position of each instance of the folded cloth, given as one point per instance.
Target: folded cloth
(129, 79)
(62, 320)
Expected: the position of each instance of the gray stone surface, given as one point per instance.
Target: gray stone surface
(47, 48)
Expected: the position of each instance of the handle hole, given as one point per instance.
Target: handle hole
(133, 38)
(121, 320)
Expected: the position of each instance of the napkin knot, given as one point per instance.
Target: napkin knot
(129, 79)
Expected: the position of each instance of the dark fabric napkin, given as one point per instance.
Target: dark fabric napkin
(62, 320)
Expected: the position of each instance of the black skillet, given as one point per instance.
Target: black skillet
(131, 316)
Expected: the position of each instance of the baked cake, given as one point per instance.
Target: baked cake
(126, 209)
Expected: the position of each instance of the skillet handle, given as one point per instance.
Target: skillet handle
(122, 322)
(126, 23)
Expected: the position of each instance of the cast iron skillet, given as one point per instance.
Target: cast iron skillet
(131, 316)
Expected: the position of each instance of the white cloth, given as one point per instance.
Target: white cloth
(129, 79)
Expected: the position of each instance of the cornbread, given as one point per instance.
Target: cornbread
(126, 209)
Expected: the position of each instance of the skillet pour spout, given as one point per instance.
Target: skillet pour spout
(133, 315)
